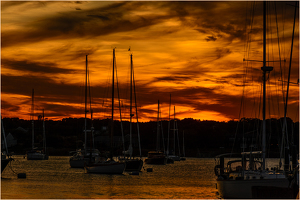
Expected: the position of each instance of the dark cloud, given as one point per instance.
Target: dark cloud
(35, 67)
(76, 24)
(9, 107)
(35, 4)
(206, 17)
(171, 78)
(210, 38)
(113, 19)
(221, 52)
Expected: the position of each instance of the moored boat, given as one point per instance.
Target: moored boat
(36, 153)
(79, 158)
(5, 157)
(248, 176)
(133, 164)
(156, 158)
(4, 162)
(107, 166)
(237, 179)
(82, 156)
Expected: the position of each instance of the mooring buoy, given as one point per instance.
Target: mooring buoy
(149, 170)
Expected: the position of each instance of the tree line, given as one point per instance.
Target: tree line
(196, 138)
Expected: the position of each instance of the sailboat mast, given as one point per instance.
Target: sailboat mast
(32, 120)
(4, 137)
(85, 103)
(289, 74)
(178, 139)
(183, 150)
(157, 136)
(130, 145)
(265, 69)
(168, 147)
(136, 113)
(44, 132)
(174, 133)
(112, 105)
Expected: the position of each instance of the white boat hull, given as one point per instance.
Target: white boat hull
(36, 156)
(175, 158)
(243, 189)
(106, 168)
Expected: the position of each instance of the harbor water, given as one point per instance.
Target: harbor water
(54, 179)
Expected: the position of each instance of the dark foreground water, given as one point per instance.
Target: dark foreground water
(54, 179)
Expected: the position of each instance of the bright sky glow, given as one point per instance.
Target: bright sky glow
(191, 50)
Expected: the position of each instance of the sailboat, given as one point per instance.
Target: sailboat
(107, 166)
(81, 156)
(169, 160)
(36, 153)
(5, 157)
(173, 156)
(183, 149)
(133, 164)
(156, 157)
(248, 177)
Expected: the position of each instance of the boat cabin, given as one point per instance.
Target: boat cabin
(237, 164)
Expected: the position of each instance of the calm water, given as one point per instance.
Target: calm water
(54, 179)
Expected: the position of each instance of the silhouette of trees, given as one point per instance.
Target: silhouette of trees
(202, 138)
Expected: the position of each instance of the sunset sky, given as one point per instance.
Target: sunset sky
(191, 50)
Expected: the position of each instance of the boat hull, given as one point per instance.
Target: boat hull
(156, 161)
(36, 156)
(79, 159)
(133, 165)
(79, 163)
(243, 189)
(175, 158)
(106, 168)
(4, 163)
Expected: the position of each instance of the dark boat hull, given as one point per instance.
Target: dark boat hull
(4, 163)
(110, 167)
(156, 161)
(133, 165)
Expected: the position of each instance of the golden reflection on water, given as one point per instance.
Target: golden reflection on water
(54, 179)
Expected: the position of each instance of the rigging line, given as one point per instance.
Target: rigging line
(290, 65)
(107, 91)
(281, 75)
(162, 135)
(121, 122)
(178, 138)
(268, 27)
(276, 101)
(270, 117)
(251, 28)
(127, 89)
(242, 103)
(137, 119)
(89, 87)
(247, 46)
